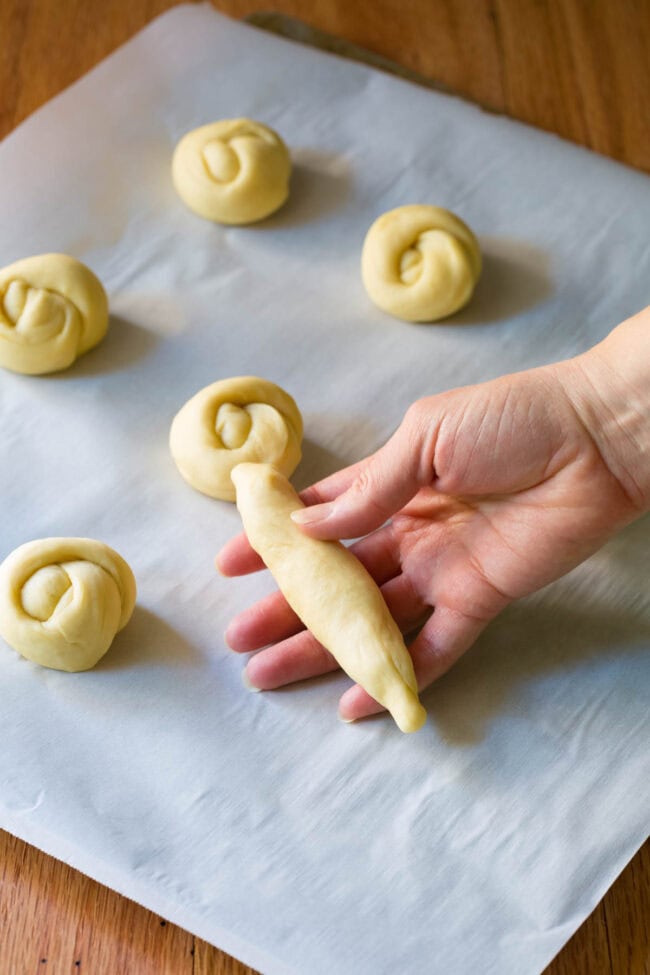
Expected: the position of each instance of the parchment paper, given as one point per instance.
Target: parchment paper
(258, 821)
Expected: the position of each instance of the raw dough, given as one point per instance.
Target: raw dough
(331, 592)
(62, 600)
(52, 309)
(420, 263)
(232, 421)
(234, 171)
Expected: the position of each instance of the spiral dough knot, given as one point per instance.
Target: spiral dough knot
(420, 263)
(52, 309)
(62, 600)
(234, 421)
(234, 171)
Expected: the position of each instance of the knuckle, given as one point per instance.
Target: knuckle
(420, 412)
(363, 483)
(414, 415)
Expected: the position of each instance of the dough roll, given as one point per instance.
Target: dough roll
(230, 422)
(420, 263)
(331, 592)
(235, 171)
(62, 600)
(52, 310)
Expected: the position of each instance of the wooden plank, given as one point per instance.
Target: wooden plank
(587, 953)
(210, 961)
(56, 921)
(610, 51)
(539, 70)
(627, 911)
(580, 68)
(575, 67)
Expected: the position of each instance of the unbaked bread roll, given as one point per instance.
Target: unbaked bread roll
(234, 171)
(52, 309)
(230, 422)
(62, 600)
(420, 263)
(331, 592)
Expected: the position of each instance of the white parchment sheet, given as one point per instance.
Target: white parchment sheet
(259, 821)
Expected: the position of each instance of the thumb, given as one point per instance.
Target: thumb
(383, 483)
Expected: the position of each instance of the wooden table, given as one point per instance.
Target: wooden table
(580, 68)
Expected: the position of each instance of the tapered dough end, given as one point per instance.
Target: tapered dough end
(407, 713)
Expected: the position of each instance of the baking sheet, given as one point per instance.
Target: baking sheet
(258, 821)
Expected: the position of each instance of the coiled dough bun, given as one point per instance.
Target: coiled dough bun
(231, 422)
(420, 263)
(52, 309)
(62, 600)
(234, 171)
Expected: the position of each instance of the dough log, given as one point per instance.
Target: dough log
(52, 310)
(62, 600)
(231, 422)
(331, 592)
(235, 171)
(420, 263)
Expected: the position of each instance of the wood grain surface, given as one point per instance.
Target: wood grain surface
(579, 68)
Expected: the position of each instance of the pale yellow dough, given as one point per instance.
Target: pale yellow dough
(230, 422)
(420, 263)
(234, 171)
(62, 600)
(52, 309)
(331, 592)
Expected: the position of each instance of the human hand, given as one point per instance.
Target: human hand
(492, 491)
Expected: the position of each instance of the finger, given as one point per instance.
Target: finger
(271, 620)
(441, 642)
(379, 554)
(237, 558)
(446, 637)
(406, 606)
(298, 658)
(382, 484)
(267, 621)
(333, 485)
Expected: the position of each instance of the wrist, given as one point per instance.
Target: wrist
(609, 387)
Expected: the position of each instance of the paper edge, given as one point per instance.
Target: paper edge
(146, 896)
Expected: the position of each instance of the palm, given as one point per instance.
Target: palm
(476, 555)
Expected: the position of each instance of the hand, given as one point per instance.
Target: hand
(492, 491)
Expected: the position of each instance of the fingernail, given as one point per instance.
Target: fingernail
(308, 516)
(248, 684)
(346, 720)
(227, 637)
